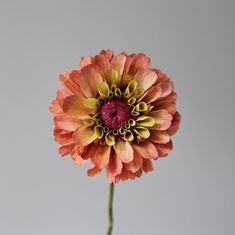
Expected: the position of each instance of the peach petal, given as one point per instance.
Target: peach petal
(84, 135)
(124, 151)
(55, 108)
(145, 78)
(152, 94)
(61, 95)
(65, 122)
(108, 54)
(147, 165)
(164, 149)
(85, 61)
(145, 149)
(161, 137)
(163, 119)
(136, 164)
(101, 156)
(118, 64)
(65, 150)
(93, 170)
(74, 106)
(139, 62)
(88, 81)
(175, 124)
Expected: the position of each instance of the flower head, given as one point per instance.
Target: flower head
(117, 112)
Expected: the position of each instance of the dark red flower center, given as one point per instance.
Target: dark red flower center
(115, 113)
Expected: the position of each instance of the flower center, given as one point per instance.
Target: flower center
(115, 113)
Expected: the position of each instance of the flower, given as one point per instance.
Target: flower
(117, 112)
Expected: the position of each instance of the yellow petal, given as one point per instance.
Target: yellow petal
(111, 76)
(142, 132)
(92, 103)
(110, 139)
(145, 121)
(103, 89)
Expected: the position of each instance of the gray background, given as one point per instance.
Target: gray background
(190, 192)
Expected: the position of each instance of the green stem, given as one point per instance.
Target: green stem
(110, 210)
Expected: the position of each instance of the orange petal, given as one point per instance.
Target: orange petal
(147, 165)
(163, 119)
(93, 170)
(174, 124)
(65, 150)
(146, 149)
(125, 175)
(101, 156)
(74, 106)
(161, 137)
(136, 164)
(114, 167)
(102, 63)
(65, 122)
(88, 81)
(124, 151)
(164, 149)
(69, 84)
(84, 135)
(64, 138)
(145, 78)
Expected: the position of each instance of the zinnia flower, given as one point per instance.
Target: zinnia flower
(117, 112)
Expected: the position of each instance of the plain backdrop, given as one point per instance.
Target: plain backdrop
(191, 191)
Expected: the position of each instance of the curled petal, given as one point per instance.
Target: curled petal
(145, 149)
